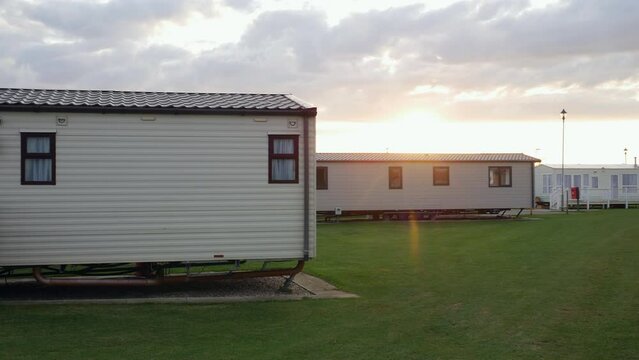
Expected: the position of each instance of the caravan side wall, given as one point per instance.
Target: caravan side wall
(364, 186)
(178, 188)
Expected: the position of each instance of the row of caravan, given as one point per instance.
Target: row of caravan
(146, 177)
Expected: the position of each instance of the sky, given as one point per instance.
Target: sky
(386, 76)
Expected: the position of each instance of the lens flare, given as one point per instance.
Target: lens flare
(413, 238)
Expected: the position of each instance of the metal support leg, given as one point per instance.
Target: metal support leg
(627, 201)
(286, 287)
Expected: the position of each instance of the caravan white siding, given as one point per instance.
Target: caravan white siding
(363, 186)
(178, 188)
(598, 183)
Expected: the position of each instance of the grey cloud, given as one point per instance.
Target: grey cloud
(367, 33)
(580, 27)
(242, 5)
(116, 18)
(491, 9)
(301, 33)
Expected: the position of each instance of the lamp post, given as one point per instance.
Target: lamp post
(563, 177)
(625, 156)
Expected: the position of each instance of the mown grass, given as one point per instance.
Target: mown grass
(564, 287)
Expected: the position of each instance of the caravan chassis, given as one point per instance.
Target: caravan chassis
(145, 274)
(422, 214)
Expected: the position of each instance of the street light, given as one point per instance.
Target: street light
(625, 156)
(563, 177)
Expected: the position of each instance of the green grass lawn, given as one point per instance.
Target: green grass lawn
(564, 287)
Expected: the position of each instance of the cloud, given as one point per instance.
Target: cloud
(241, 5)
(116, 19)
(473, 60)
(300, 34)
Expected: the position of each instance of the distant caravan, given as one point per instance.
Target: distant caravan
(602, 186)
(399, 185)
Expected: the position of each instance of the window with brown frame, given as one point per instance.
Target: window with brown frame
(37, 165)
(441, 175)
(322, 178)
(500, 176)
(283, 159)
(395, 177)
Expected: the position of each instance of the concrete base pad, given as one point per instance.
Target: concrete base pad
(320, 288)
(304, 287)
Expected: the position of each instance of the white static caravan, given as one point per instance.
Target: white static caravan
(606, 185)
(145, 177)
(383, 183)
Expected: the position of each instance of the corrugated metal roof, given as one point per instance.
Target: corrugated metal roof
(105, 100)
(517, 157)
(592, 166)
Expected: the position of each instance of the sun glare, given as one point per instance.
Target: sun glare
(413, 238)
(424, 132)
(414, 131)
(200, 33)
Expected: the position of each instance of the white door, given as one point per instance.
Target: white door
(614, 186)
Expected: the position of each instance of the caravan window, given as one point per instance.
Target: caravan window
(576, 180)
(322, 178)
(38, 159)
(500, 176)
(629, 182)
(441, 175)
(395, 177)
(595, 182)
(547, 183)
(567, 181)
(283, 159)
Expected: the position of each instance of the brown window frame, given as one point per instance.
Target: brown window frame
(401, 178)
(510, 169)
(272, 156)
(24, 155)
(435, 183)
(324, 184)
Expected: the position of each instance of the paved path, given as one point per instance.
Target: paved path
(320, 288)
